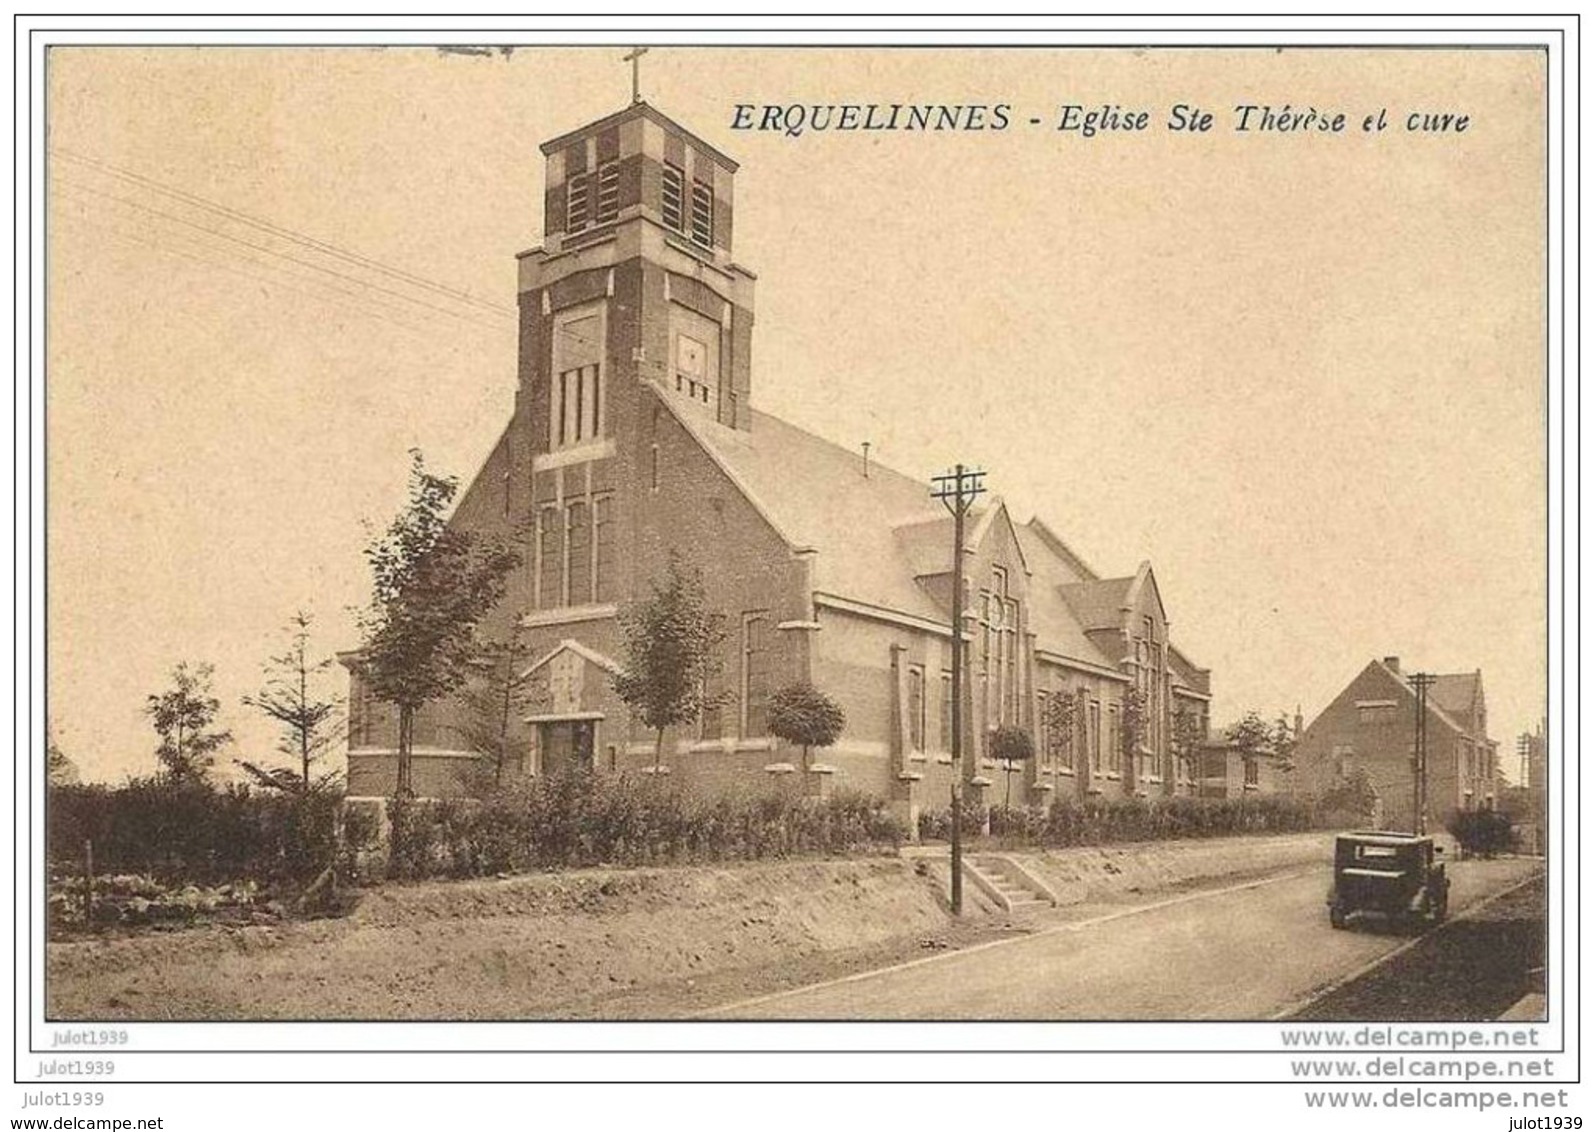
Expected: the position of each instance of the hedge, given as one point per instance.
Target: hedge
(581, 819)
(196, 834)
(1101, 820)
(191, 832)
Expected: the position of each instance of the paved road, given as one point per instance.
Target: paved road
(1246, 953)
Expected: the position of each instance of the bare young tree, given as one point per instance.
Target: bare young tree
(672, 644)
(491, 697)
(292, 697)
(184, 716)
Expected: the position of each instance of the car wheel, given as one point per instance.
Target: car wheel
(1336, 917)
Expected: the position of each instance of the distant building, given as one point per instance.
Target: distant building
(1227, 771)
(635, 437)
(1371, 727)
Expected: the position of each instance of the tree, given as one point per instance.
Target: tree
(1011, 745)
(490, 698)
(1282, 745)
(306, 716)
(672, 645)
(1353, 798)
(184, 717)
(1059, 717)
(432, 584)
(1185, 737)
(1252, 736)
(1132, 732)
(59, 769)
(803, 715)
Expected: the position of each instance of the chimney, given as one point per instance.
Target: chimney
(1392, 662)
(866, 447)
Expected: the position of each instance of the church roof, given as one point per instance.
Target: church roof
(1057, 628)
(877, 536)
(815, 494)
(1099, 604)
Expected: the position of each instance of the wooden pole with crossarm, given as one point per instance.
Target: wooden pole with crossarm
(957, 491)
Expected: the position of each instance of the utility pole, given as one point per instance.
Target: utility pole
(957, 491)
(1421, 681)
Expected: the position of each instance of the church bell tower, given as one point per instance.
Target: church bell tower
(633, 296)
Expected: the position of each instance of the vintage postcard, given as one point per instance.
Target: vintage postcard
(1012, 530)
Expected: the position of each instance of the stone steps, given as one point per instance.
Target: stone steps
(1005, 884)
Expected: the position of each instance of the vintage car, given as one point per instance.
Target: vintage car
(1395, 875)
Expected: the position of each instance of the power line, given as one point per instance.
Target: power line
(464, 317)
(279, 230)
(346, 298)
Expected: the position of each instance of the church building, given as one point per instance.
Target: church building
(635, 435)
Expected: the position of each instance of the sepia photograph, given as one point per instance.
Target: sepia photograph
(655, 529)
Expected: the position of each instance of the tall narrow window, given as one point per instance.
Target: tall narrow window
(551, 558)
(674, 200)
(1093, 736)
(591, 409)
(755, 675)
(608, 192)
(702, 214)
(603, 548)
(711, 721)
(577, 407)
(1115, 741)
(915, 709)
(946, 711)
(580, 555)
(578, 202)
(1043, 729)
(654, 467)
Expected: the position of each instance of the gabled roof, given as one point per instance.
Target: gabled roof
(1457, 693)
(875, 536)
(1400, 681)
(815, 494)
(1045, 536)
(1057, 628)
(591, 655)
(1099, 605)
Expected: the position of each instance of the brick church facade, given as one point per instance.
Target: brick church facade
(635, 435)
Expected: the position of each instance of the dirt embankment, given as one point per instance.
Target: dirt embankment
(524, 947)
(1109, 872)
(596, 943)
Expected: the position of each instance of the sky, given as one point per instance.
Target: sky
(1301, 373)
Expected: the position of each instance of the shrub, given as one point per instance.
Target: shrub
(1481, 833)
(936, 825)
(581, 819)
(1102, 819)
(191, 831)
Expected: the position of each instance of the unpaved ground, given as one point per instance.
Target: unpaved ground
(599, 943)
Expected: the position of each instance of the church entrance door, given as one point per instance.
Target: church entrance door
(566, 744)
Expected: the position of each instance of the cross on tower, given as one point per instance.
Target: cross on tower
(635, 59)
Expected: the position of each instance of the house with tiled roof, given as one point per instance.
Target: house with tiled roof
(1371, 727)
(635, 438)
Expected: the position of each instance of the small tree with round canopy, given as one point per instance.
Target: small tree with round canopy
(1012, 745)
(803, 715)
